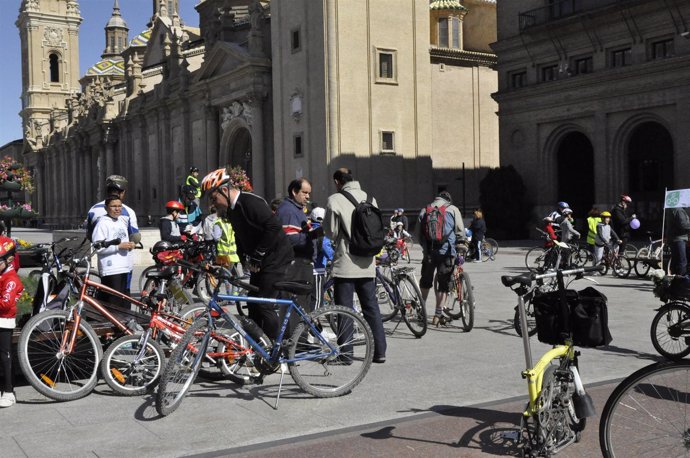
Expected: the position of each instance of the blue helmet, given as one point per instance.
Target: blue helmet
(563, 205)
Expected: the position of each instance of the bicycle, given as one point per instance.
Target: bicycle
(59, 352)
(405, 298)
(325, 343)
(558, 403)
(489, 248)
(617, 262)
(670, 329)
(648, 413)
(649, 256)
(462, 292)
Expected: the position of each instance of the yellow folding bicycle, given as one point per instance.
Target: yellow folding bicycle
(558, 404)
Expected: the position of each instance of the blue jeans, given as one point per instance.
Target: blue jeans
(366, 292)
(679, 258)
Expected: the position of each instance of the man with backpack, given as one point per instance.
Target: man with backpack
(354, 223)
(441, 235)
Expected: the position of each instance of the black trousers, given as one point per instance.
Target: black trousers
(118, 282)
(6, 359)
(265, 314)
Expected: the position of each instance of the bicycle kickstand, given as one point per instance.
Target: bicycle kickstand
(280, 385)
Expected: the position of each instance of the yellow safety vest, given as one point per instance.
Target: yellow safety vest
(592, 222)
(193, 181)
(226, 246)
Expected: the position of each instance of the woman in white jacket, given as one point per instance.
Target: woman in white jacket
(114, 262)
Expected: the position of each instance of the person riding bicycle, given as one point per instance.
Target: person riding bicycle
(605, 237)
(441, 237)
(399, 217)
(620, 218)
(11, 289)
(551, 232)
(568, 231)
(557, 214)
(261, 242)
(168, 226)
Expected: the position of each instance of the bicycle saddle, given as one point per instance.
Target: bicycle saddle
(163, 273)
(293, 287)
(524, 280)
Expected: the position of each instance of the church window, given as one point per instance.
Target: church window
(620, 57)
(549, 73)
(518, 79)
(112, 43)
(456, 33)
(386, 66)
(387, 141)
(443, 32)
(119, 43)
(298, 150)
(662, 49)
(54, 62)
(295, 42)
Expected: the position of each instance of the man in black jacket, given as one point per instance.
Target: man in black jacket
(620, 219)
(261, 242)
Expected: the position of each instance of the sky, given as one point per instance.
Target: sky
(95, 14)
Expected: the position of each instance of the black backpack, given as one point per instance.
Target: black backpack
(368, 232)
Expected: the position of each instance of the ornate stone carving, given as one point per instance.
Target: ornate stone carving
(73, 8)
(236, 110)
(31, 6)
(296, 102)
(53, 36)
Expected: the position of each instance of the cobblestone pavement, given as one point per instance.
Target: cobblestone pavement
(446, 393)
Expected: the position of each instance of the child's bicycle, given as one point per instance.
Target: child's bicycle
(328, 354)
(558, 404)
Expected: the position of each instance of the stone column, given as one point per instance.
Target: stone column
(212, 148)
(256, 121)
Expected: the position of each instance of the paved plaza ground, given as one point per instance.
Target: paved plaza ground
(449, 393)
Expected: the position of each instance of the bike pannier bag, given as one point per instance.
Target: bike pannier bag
(680, 287)
(589, 319)
(367, 231)
(552, 317)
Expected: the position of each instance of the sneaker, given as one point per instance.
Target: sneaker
(7, 400)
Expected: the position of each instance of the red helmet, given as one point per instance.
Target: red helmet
(174, 205)
(7, 247)
(625, 198)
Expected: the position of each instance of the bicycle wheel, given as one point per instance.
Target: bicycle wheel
(460, 295)
(386, 306)
(488, 252)
(467, 307)
(130, 371)
(641, 265)
(325, 372)
(531, 321)
(558, 425)
(413, 307)
(534, 259)
(648, 414)
(580, 256)
(494, 245)
(236, 360)
(621, 266)
(143, 278)
(604, 268)
(629, 250)
(53, 373)
(669, 333)
(182, 368)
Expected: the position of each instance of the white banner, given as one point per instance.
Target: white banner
(677, 198)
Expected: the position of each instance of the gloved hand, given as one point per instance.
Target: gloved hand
(253, 262)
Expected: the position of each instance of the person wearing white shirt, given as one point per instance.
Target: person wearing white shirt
(114, 262)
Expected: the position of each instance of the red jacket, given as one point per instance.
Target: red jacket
(552, 235)
(11, 288)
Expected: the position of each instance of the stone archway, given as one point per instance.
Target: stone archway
(575, 172)
(650, 166)
(236, 145)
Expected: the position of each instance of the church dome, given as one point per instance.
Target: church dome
(446, 5)
(108, 67)
(117, 21)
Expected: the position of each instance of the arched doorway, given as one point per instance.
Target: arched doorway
(239, 150)
(650, 166)
(575, 156)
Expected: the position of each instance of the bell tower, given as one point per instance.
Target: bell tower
(49, 36)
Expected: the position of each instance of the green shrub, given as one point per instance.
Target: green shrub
(507, 209)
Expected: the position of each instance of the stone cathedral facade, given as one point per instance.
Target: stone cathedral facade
(397, 90)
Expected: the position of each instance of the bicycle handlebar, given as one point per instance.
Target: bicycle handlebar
(527, 279)
(219, 272)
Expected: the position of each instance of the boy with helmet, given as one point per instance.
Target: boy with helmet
(557, 214)
(170, 230)
(10, 290)
(259, 235)
(605, 237)
(568, 231)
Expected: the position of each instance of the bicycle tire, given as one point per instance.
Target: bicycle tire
(57, 376)
(534, 259)
(125, 373)
(488, 252)
(387, 307)
(494, 245)
(648, 413)
(604, 268)
(642, 267)
(531, 321)
(467, 307)
(629, 250)
(240, 370)
(143, 278)
(622, 266)
(317, 370)
(181, 369)
(580, 256)
(667, 333)
(413, 307)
